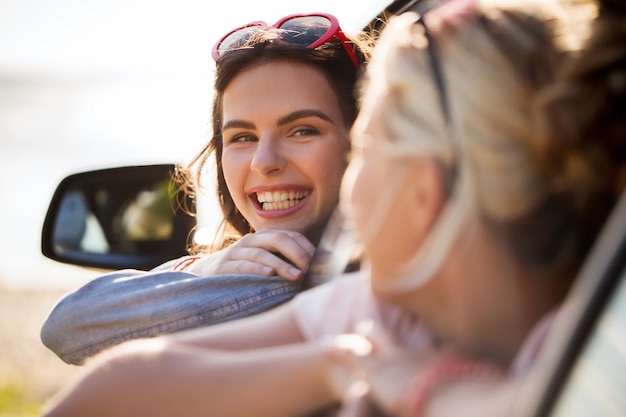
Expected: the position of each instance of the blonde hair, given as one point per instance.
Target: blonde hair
(503, 65)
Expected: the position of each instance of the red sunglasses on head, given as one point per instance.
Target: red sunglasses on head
(307, 30)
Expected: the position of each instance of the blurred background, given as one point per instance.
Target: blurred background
(88, 84)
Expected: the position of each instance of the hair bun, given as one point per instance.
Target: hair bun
(613, 6)
(582, 116)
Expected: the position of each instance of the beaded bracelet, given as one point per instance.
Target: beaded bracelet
(446, 368)
(183, 263)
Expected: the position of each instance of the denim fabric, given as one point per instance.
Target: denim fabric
(132, 304)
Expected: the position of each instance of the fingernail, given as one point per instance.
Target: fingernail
(294, 272)
(268, 270)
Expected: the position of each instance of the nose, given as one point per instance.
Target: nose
(268, 158)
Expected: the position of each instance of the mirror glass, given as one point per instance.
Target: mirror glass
(117, 218)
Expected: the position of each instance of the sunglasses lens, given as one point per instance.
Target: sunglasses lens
(307, 31)
(304, 30)
(238, 39)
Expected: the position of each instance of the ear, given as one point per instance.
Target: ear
(426, 193)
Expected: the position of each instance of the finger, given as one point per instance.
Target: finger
(291, 246)
(357, 344)
(297, 237)
(261, 261)
(245, 267)
(288, 271)
(356, 401)
(382, 341)
(289, 243)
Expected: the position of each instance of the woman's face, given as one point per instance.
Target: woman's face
(285, 146)
(378, 197)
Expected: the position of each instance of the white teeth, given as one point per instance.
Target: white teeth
(280, 199)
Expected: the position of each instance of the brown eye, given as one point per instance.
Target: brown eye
(305, 132)
(243, 138)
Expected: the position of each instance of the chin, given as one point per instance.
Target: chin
(383, 293)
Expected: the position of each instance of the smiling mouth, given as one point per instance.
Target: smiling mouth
(280, 200)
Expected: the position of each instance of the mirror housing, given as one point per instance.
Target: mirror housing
(118, 218)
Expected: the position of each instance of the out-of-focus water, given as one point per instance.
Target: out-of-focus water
(53, 127)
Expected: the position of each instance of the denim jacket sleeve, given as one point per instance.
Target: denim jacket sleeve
(133, 304)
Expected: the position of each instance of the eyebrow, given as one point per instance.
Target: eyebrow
(301, 114)
(238, 124)
(291, 117)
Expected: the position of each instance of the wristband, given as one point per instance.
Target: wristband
(445, 369)
(183, 263)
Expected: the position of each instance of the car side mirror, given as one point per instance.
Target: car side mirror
(117, 218)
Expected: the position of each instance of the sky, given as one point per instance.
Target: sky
(87, 84)
(162, 35)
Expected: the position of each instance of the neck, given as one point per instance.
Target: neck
(481, 300)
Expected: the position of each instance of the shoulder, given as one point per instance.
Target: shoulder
(334, 307)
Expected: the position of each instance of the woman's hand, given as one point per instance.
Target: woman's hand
(266, 252)
(429, 381)
(363, 372)
(390, 367)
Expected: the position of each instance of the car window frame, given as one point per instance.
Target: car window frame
(589, 298)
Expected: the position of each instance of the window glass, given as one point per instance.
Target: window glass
(597, 384)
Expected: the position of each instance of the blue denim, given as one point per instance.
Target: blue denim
(133, 304)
